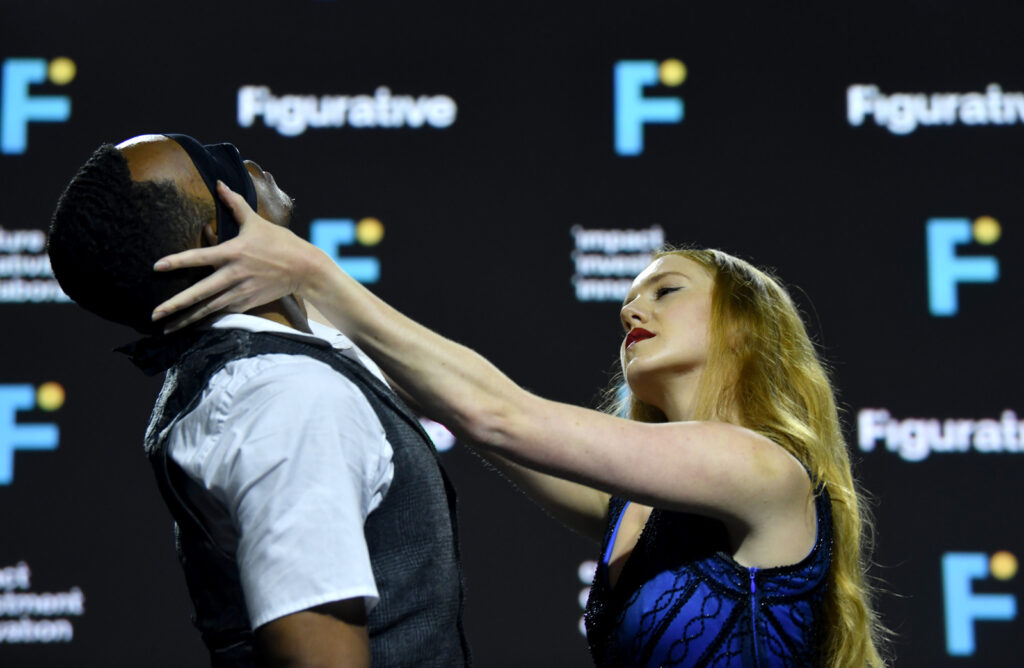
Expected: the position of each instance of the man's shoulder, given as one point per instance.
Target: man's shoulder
(275, 373)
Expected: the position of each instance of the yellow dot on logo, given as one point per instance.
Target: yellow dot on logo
(987, 230)
(62, 70)
(1003, 565)
(369, 231)
(672, 72)
(50, 396)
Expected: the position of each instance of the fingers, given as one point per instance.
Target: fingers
(183, 318)
(210, 235)
(214, 256)
(212, 285)
(240, 209)
(224, 302)
(238, 299)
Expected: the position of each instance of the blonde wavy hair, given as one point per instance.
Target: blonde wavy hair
(763, 372)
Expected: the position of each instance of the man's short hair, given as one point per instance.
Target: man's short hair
(108, 230)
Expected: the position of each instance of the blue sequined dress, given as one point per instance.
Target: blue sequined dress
(681, 601)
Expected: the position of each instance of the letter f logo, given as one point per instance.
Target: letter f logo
(946, 269)
(964, 606)
(633, 110)
(18, 107)
(14, 436)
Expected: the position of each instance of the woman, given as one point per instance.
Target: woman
(730, 523)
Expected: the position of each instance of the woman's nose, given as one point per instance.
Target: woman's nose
(633, 314)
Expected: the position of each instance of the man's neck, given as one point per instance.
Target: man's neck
(289, 311)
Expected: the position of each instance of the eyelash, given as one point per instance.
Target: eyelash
(661, 292)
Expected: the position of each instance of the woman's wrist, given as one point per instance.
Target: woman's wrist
(316, 273)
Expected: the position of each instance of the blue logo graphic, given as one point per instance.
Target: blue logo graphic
(18, 107)
(946, 269)
(14, 436)
(633, 110)
(964, 606)
(331, 234)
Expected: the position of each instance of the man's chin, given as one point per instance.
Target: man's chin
(286, 217)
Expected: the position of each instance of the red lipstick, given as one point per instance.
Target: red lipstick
(637, 334)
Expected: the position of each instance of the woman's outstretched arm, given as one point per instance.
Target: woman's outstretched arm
(714, 469)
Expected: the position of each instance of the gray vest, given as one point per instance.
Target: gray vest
(411, 536)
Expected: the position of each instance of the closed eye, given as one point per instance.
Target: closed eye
(662, 291)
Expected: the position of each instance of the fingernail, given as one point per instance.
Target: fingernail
(158, 314)
(161, 265)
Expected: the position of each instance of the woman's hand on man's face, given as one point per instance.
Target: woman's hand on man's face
(263, 263)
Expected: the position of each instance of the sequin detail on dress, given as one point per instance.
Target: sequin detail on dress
(681, 601)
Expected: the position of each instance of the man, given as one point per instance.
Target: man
(315, 526)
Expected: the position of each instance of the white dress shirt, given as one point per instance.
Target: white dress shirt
(296, 454)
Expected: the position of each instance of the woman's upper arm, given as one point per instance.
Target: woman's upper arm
(711, 468)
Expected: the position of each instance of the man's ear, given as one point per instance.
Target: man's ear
(210, 233)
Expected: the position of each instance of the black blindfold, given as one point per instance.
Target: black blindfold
(223, 162)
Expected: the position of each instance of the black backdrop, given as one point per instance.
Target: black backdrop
(478, 216)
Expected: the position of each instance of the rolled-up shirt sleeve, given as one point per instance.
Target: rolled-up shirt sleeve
(299, 459)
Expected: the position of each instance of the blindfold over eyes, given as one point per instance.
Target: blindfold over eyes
(220, 162)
